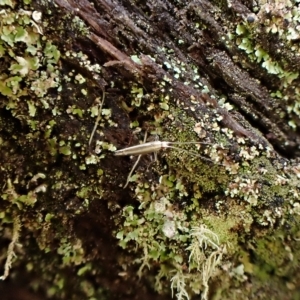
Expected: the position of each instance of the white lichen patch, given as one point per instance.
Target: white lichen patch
(11, 247)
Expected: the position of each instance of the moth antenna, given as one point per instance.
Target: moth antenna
(194, 154)
(188, 143)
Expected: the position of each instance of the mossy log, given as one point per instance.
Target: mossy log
(218, 219)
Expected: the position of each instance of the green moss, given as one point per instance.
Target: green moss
(72, 253)
(180, 199)
(32, 68)
(151, 236)
(192, 209)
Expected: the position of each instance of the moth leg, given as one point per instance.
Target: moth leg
(135, 164)
(132, 170)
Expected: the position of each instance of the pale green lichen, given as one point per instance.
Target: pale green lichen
(178, 284)
(72, 253)
(182, 205)
(10, 251)
(161, 219)
(158, 248)
(255, 49)
(32, 70)
(10, 194)
(29, 55)
(160, 224)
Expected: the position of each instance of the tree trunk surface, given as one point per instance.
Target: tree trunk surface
(217, 218)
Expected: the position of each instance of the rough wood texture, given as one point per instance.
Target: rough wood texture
(221, 224)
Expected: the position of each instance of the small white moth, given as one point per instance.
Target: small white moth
(153, 147)
(149, 147)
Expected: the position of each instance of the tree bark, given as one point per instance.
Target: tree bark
(216, 220)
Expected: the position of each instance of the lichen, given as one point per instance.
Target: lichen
(249, 39)
(31, 88)
(188, 219)
(12, 245)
